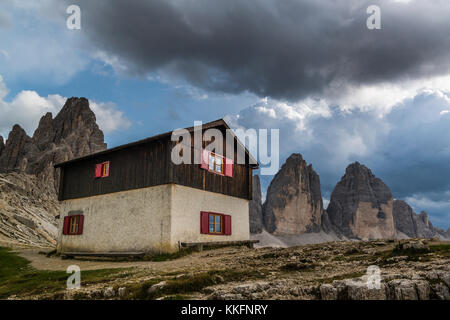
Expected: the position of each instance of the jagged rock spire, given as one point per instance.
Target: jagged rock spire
(361, 205)
(294, 201)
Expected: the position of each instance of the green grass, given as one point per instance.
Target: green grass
(168, 256)
(442, 249)
(159, 257)
(17, 277)
(179, 287)
(342, 277)
(303, 267)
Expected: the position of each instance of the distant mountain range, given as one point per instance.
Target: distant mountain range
(361, 207)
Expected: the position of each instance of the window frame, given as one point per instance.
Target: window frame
(74, 221)
(222, 227)
(105, 168)
(222, 165)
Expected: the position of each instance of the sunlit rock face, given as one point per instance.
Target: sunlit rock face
(294, 202)
(72, 133)
(361, 205)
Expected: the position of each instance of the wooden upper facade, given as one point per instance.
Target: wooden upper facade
(147, 163)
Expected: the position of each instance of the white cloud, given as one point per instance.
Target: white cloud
(406, 145)
(27, 107)
(109, 118)
(382, 97)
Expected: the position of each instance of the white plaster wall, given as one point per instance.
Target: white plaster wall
(136, 220)
(185, 218)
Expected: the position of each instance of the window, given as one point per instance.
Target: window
(73, 225)
(215, 223)
(74, 222)
(217, 164)
(102, 170)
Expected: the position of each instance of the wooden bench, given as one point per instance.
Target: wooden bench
(199, 245)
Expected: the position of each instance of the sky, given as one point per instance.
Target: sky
(338, 91)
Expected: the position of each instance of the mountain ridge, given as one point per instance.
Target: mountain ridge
(361, 207)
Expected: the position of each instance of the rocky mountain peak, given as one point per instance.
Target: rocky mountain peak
(2, 145)
(13, 154)
(415, 225)
(72, 133)
(361, 205)
(294, 202)
(424, 217)
(255, 207)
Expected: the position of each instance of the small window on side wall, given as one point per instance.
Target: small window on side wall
(215, 223)
(73, 225)
(102, 170)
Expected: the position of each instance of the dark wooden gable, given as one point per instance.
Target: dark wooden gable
(147, 163)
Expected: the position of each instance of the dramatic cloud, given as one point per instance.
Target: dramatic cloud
(109, 118)
(35, 43)
(281, 49)
(27, 107)
(408, 146)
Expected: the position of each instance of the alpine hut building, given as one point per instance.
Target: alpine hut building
(133, 199)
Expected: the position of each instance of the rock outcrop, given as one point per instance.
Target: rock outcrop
(72, 133)
(415, 225)
(255, 207)
(27, 211)
(404, 218)
(28, 182)
(361, 205)
(294, 202)
(2, 145)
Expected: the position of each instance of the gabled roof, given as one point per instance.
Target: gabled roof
(212, 124)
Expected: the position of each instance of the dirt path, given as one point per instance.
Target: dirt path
(196, 261)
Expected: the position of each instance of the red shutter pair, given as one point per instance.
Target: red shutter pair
(228, 163)
(204, 223)
(98, 170)
(102, 170)
(66, 225)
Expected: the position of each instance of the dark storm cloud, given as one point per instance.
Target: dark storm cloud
(283, 49)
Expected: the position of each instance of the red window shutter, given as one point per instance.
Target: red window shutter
(66, 225)
(80, 224)
(98, 170)
(227, 225)
(205, 160)
(105, 172)
(228, 167)
(204, 222)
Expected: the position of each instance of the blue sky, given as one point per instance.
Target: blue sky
(338, 92)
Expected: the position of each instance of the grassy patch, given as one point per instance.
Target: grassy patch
(442, 249)
(293, 266)
(412, 254)
(188, 284)
(338, 258)
(168, 256)
(176, 297)
(342, 277)
(400, 250)
(17, 277)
